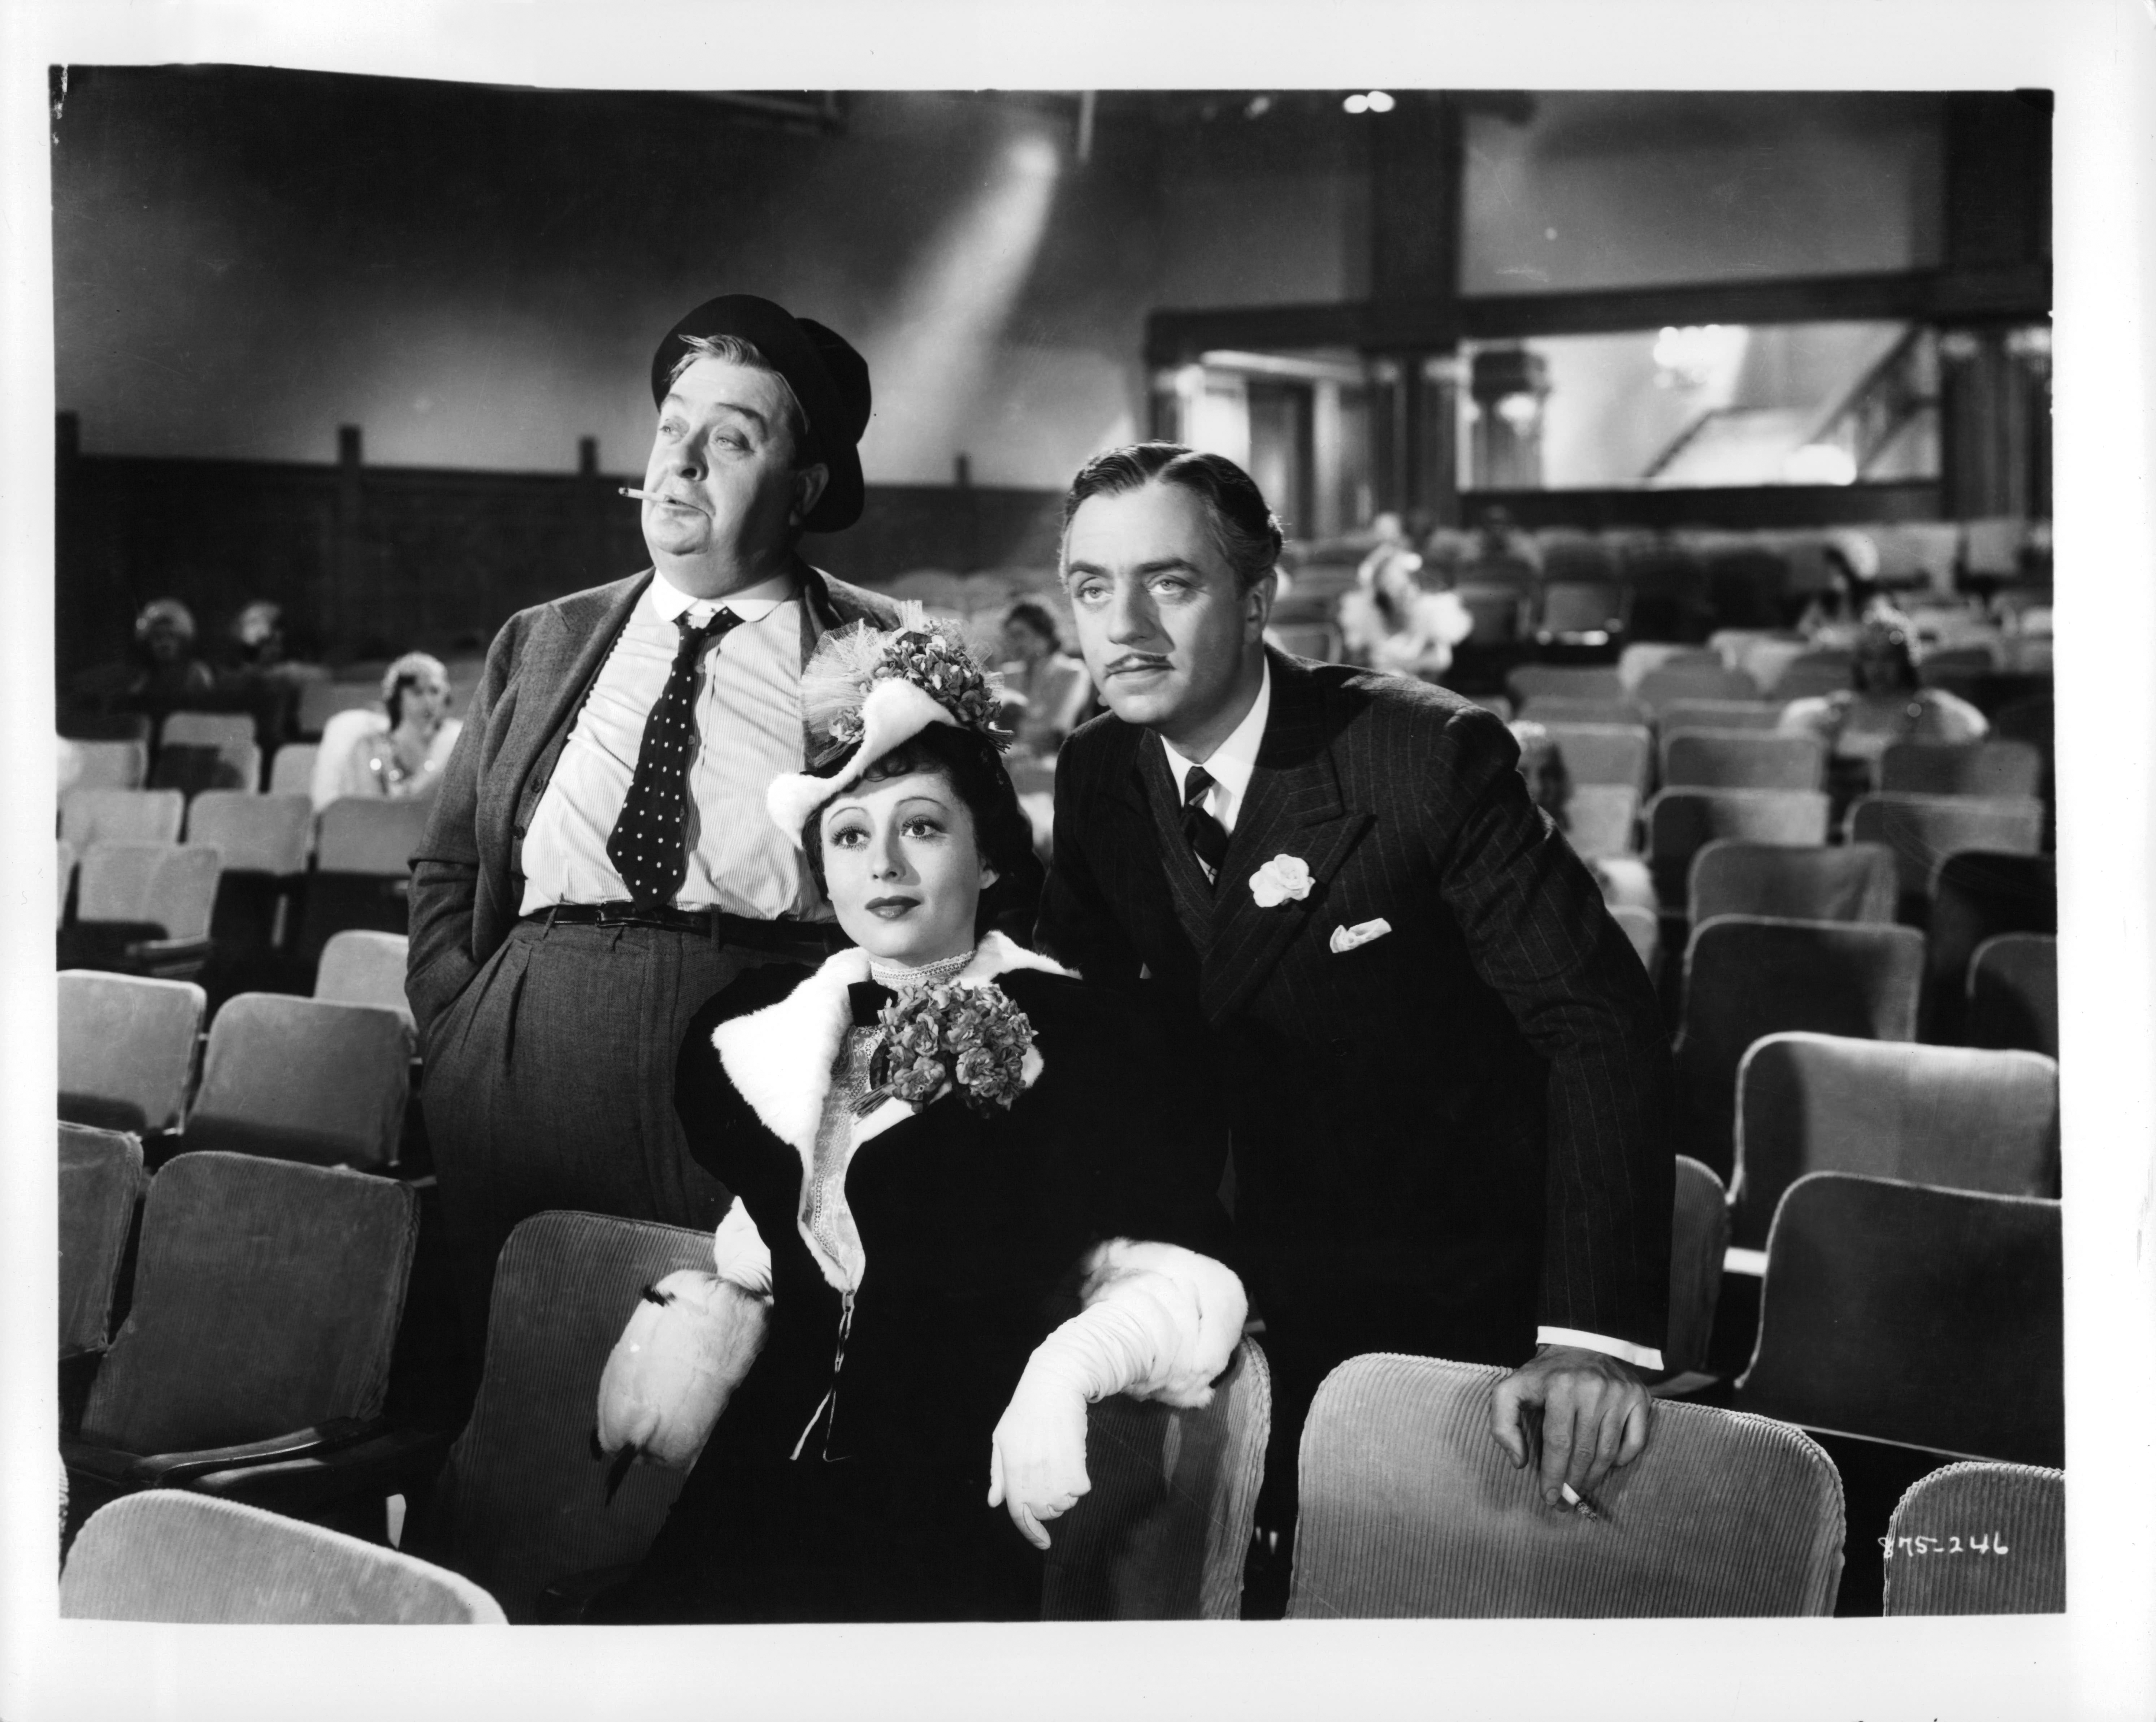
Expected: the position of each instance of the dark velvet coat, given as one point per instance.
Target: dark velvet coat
(1445, 1135)
(973, 1227)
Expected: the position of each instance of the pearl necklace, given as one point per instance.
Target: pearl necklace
(898, 977)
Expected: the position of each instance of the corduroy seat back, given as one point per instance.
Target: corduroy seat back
(1976, 895)
(303, 1079)
(1681, 822)
(1620, 754)
(1950, 1116)
(522, 1500)
(1567, 681)
(1748, 977)
(101, 1182)
(1849, 881)
(127, 1047)
(169, 1555)
(1930, 1317)
(1163, 1534)
(1979, 1537)
(88, 816)
(1410, 1508)
(2013, 997)
(1922, 830)
(266, 1299)
(253, 833)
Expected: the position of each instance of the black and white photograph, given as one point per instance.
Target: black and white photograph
(1267, 887)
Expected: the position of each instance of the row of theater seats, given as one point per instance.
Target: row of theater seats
(251, 1367)
(325, 1080)
(257, 887)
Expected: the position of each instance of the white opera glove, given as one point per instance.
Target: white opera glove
(1160, 1322)
(687, 1345)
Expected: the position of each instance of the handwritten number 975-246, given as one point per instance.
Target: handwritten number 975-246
(1990, 1543)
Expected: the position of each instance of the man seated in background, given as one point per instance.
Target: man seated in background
(599, 862)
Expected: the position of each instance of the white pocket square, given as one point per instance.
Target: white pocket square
(1346, 939)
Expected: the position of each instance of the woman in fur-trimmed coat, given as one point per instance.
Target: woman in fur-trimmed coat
(946, 1279)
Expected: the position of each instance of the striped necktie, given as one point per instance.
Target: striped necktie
(1202, 832)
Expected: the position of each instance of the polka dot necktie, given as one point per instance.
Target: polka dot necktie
(1202, 831)
(650, 845)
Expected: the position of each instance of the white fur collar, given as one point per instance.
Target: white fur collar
(779, 1058)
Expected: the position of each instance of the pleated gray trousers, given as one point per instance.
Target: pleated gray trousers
(549, 1083)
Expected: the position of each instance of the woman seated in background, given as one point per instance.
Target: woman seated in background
(398, 752)
(1388, 619)
(969, 1191)
(1052, 685)
(1885, 705)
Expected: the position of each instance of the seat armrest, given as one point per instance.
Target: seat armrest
(388, 1461)
(168, 953)
(169, 1470)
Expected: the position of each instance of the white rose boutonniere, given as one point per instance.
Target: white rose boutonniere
(1283, 878)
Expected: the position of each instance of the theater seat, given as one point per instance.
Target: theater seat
(142, 908)
(365, 968)
(1847, 882)
(127, 1049)
(1601, 819)
(1922, 830)
(1747, 977)
(362, 870)
(1580, 708)
(523, 1499)
(1699, 1236)
(1408, 1508)
(303, 1079)
(1979, 1537)
(292, 770)
(256, 1353)
(100, 1181)
(1574, 681)
(1949, 1116)
(1927, 1317)
(88, 816)
(1995, 770)
(1679, 822)
(1701, 681)
(195, 1560)
(1163, 1534)
(1678, 715)
(1976, 896)
(2013, 993)
(1742, 759)
(111, 765)
(1620, 754)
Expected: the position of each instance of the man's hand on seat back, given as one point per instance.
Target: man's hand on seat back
(1592, 1412)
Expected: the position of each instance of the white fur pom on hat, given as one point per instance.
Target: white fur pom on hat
(895, 711)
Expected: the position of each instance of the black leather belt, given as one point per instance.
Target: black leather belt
(791, 937)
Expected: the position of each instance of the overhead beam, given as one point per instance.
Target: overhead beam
(2019, 291)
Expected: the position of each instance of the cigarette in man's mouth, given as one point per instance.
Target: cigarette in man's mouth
(641, 495)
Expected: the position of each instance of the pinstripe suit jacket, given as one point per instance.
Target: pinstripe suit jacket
(1449, 1135)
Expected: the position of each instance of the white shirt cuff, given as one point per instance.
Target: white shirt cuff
(1641, 1357)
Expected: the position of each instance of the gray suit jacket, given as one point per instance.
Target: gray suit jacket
(468, 875)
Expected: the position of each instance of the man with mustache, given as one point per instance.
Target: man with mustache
(1442, 1066)
(599, 862)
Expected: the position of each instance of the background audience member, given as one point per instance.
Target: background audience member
(1051, 683)
(398, 752)
(1884, 704)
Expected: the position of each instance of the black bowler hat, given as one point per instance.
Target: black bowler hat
(828, 377)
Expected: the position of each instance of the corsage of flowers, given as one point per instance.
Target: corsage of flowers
(1283, 877)
(970, 1035)
(934, 657)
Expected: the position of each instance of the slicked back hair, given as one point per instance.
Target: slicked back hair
(1245, 531)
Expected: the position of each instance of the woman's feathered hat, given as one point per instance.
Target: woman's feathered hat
(869, 689)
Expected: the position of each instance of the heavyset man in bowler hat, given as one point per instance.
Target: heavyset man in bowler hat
(599, 862)
(1442, 1064)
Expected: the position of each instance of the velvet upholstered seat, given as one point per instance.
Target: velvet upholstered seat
(189, 1559)
(1408, 1508)
(100, 1181)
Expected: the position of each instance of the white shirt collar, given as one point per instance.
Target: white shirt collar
(1232, 761)
(752, 604)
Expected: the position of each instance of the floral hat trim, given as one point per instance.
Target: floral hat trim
(869, 689)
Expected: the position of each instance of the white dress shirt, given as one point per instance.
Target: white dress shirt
(748, 726)
(1230, 768)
